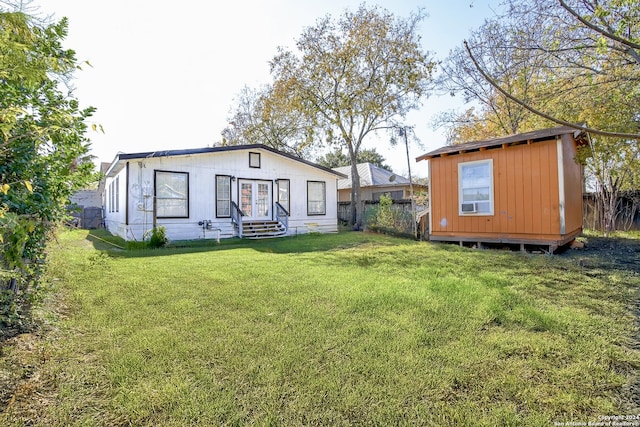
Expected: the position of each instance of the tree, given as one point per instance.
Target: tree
(43, 151)
(612, 166)
(354, 76)
(493, 114)
(562, 64)
(579, 44)
(264, 117)
(337, 158)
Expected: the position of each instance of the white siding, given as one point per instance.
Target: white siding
(202, 170)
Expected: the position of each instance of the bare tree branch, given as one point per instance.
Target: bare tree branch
(599, 30)
(537, 112)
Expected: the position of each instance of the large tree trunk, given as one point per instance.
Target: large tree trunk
(356, 197)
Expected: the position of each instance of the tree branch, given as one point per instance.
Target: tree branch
(537, 112)
(631, 45)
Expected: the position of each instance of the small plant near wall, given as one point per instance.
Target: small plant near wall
(158, 238)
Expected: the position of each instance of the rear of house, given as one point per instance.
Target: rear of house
(521, 189)
(219, 192)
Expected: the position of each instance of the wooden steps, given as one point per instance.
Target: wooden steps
(262, 229)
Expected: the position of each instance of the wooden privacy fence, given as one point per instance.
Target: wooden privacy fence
(396, 219)
(86, 217)
(344, 208)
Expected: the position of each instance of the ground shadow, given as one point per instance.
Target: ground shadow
(116, 247)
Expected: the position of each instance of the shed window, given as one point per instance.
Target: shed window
(475, 186)
(172, 194)
(316, 198)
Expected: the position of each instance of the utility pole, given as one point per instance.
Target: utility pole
(403, 132)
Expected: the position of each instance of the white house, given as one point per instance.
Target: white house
(244, 191)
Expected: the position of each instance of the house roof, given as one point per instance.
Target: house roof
(121, 158)
(526, 137)
(370, 176)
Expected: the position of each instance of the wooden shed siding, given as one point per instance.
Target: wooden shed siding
(573, 186)
(526, 193)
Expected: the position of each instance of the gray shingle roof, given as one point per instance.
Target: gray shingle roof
(370, 176)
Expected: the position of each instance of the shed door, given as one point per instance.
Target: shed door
(255, 199)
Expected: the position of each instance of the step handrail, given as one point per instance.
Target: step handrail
(282, 216)
(236, 217)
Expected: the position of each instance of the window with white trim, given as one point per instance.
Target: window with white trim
(475, 187)
(223, 196)
(254, 160)
(111, 197)
(283, 194)
(117, 194)
(172, 194)
(316, 198)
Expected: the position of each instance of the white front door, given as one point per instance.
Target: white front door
(255, 199)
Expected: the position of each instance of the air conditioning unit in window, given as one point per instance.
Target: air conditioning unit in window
(469, 207)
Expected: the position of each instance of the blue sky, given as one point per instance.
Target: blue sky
(164, 75)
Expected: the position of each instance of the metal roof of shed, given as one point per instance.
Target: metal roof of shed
(526, 137)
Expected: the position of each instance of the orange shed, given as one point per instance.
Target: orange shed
(522, 189)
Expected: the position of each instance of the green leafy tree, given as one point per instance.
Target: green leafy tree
(545, 62)
(578, 45)
(43, 151)
(337, 158)
(261, 116)
(354, 76)
(492, 113)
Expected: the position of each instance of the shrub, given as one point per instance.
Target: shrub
(389, 219)
(158, 237)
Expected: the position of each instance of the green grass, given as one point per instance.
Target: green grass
(343, 329)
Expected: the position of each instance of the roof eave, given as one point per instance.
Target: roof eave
(120, 157)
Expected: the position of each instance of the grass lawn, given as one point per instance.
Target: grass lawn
(343, 329)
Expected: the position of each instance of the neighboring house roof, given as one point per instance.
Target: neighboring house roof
(526, 137)
(121, 158)
(370, 176)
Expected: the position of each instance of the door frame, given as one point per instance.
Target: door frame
(254, 197)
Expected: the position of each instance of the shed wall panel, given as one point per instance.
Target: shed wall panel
(526, 192)
(573, 179)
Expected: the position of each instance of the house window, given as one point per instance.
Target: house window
(475, 187)
(117, 194)
(114, 195)
(316, 198)
(283, 194)
(254, 160)
(172, 194)
(223, 196)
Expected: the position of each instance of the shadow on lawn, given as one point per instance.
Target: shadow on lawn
(117, 247)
